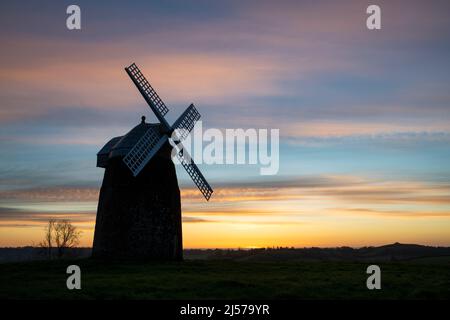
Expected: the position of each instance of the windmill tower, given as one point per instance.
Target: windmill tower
(139, 209)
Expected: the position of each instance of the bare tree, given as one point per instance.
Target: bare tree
(47, 242)
(61, 234)
(66, 236)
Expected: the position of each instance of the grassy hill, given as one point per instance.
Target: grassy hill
(226, 279)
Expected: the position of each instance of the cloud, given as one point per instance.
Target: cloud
(296, 203)
(393, 214)
(308, 69)
(32, 218)
(194, 220)
(353, 189)
(383, 139)
(52, 194)
(301, 197)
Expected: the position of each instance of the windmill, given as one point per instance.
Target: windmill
(139, 210)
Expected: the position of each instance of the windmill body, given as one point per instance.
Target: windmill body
(139, 209)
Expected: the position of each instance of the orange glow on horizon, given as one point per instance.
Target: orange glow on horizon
(325, 211)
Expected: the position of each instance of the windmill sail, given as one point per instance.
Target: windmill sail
(153, 139)
(149, 94)
(141, 153)
(195, 174)
(186, 122)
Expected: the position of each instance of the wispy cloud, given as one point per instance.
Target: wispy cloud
(300, 202)
(310, 69)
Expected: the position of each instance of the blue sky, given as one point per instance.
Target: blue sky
(356, 109)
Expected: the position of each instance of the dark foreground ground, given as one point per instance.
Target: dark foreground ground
(427, 278)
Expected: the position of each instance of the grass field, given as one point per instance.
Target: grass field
(422, 279)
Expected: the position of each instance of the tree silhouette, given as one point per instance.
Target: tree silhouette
(59, 234)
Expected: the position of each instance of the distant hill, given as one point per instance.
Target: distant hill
(390, 252)
(34, 253)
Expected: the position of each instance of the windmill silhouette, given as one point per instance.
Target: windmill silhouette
(139, 210)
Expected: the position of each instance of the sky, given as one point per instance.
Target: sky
(363, 115)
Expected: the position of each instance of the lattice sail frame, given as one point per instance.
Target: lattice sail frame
(147, 90)
(195, 174)
(150, 143)
(186, 122)
(141, 153)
